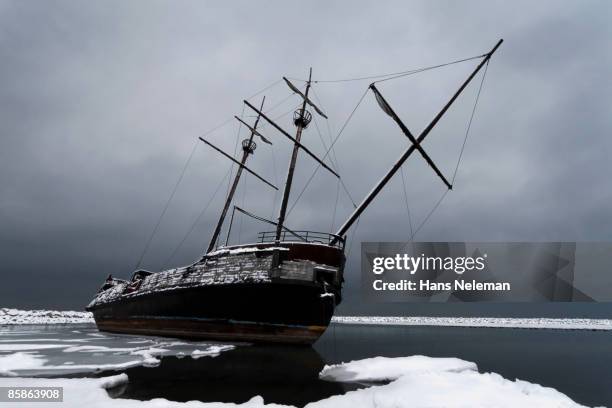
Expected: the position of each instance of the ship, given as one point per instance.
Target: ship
(282, 288)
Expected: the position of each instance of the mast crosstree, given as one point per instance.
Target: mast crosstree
(301, 119)
(248, 147)
(414, 146)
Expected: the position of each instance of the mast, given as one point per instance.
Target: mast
(301, 119)
(415, 146)
(248, 147)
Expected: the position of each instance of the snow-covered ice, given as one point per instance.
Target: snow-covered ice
(414, 382)
(420, 381)
(211, 351)
(91, 393)
(16, 316)
(28, 348)
(43, 350)
(19, 361)
(388, 368)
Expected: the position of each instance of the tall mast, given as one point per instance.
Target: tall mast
(301, 119)
(415, 146)
(248, 147)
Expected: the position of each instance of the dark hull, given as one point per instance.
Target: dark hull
(273, 312)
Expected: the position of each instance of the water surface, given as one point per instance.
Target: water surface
(578, 363)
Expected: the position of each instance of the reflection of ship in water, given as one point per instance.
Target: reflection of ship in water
(280, 374)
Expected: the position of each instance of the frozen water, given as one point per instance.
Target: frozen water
(415, 381)
(16, 316)
(387, 369)
(41, 350)
(420, 381)
(91, 393)
(211, 351)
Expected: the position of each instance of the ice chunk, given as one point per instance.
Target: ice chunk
(19, 360)
(91, 393)
(15, 316)
(29, 346)
(113, 381)
(420, 381)
(416, 381)
(211, 351)
(387, 368)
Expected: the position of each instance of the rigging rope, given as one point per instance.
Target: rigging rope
(257, 217)
(335, 157)
(394, 75)
(406, 200)
(352, 238)
(276, 192)
(434, 208)
(244, 180)
(334, 165)
(197, 220)
(327, 153)
(329, 132)
(159, 220)
(419, 70)
(390, 77)
(333, 221)
(178, 182)
(384, 77)
(467, 132)
(229, 182)
(332, 158)
(265, 89)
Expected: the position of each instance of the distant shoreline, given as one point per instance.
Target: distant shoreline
(491, 322)
(10, 316)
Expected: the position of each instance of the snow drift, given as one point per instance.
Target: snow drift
(415, 381)
(16, 316)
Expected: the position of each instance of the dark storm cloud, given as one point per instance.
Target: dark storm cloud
(101, 103)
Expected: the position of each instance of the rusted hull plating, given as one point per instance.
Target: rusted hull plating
(211, 330)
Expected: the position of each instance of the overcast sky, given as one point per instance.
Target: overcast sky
(101, 104)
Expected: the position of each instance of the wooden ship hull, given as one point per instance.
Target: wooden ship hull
(272, 293)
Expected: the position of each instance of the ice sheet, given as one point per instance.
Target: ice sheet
(420, 381)
(416, 382)
(32, 353)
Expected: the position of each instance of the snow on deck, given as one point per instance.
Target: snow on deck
(239, 265)
(415, 382)
(501, 322)
(235, 250)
